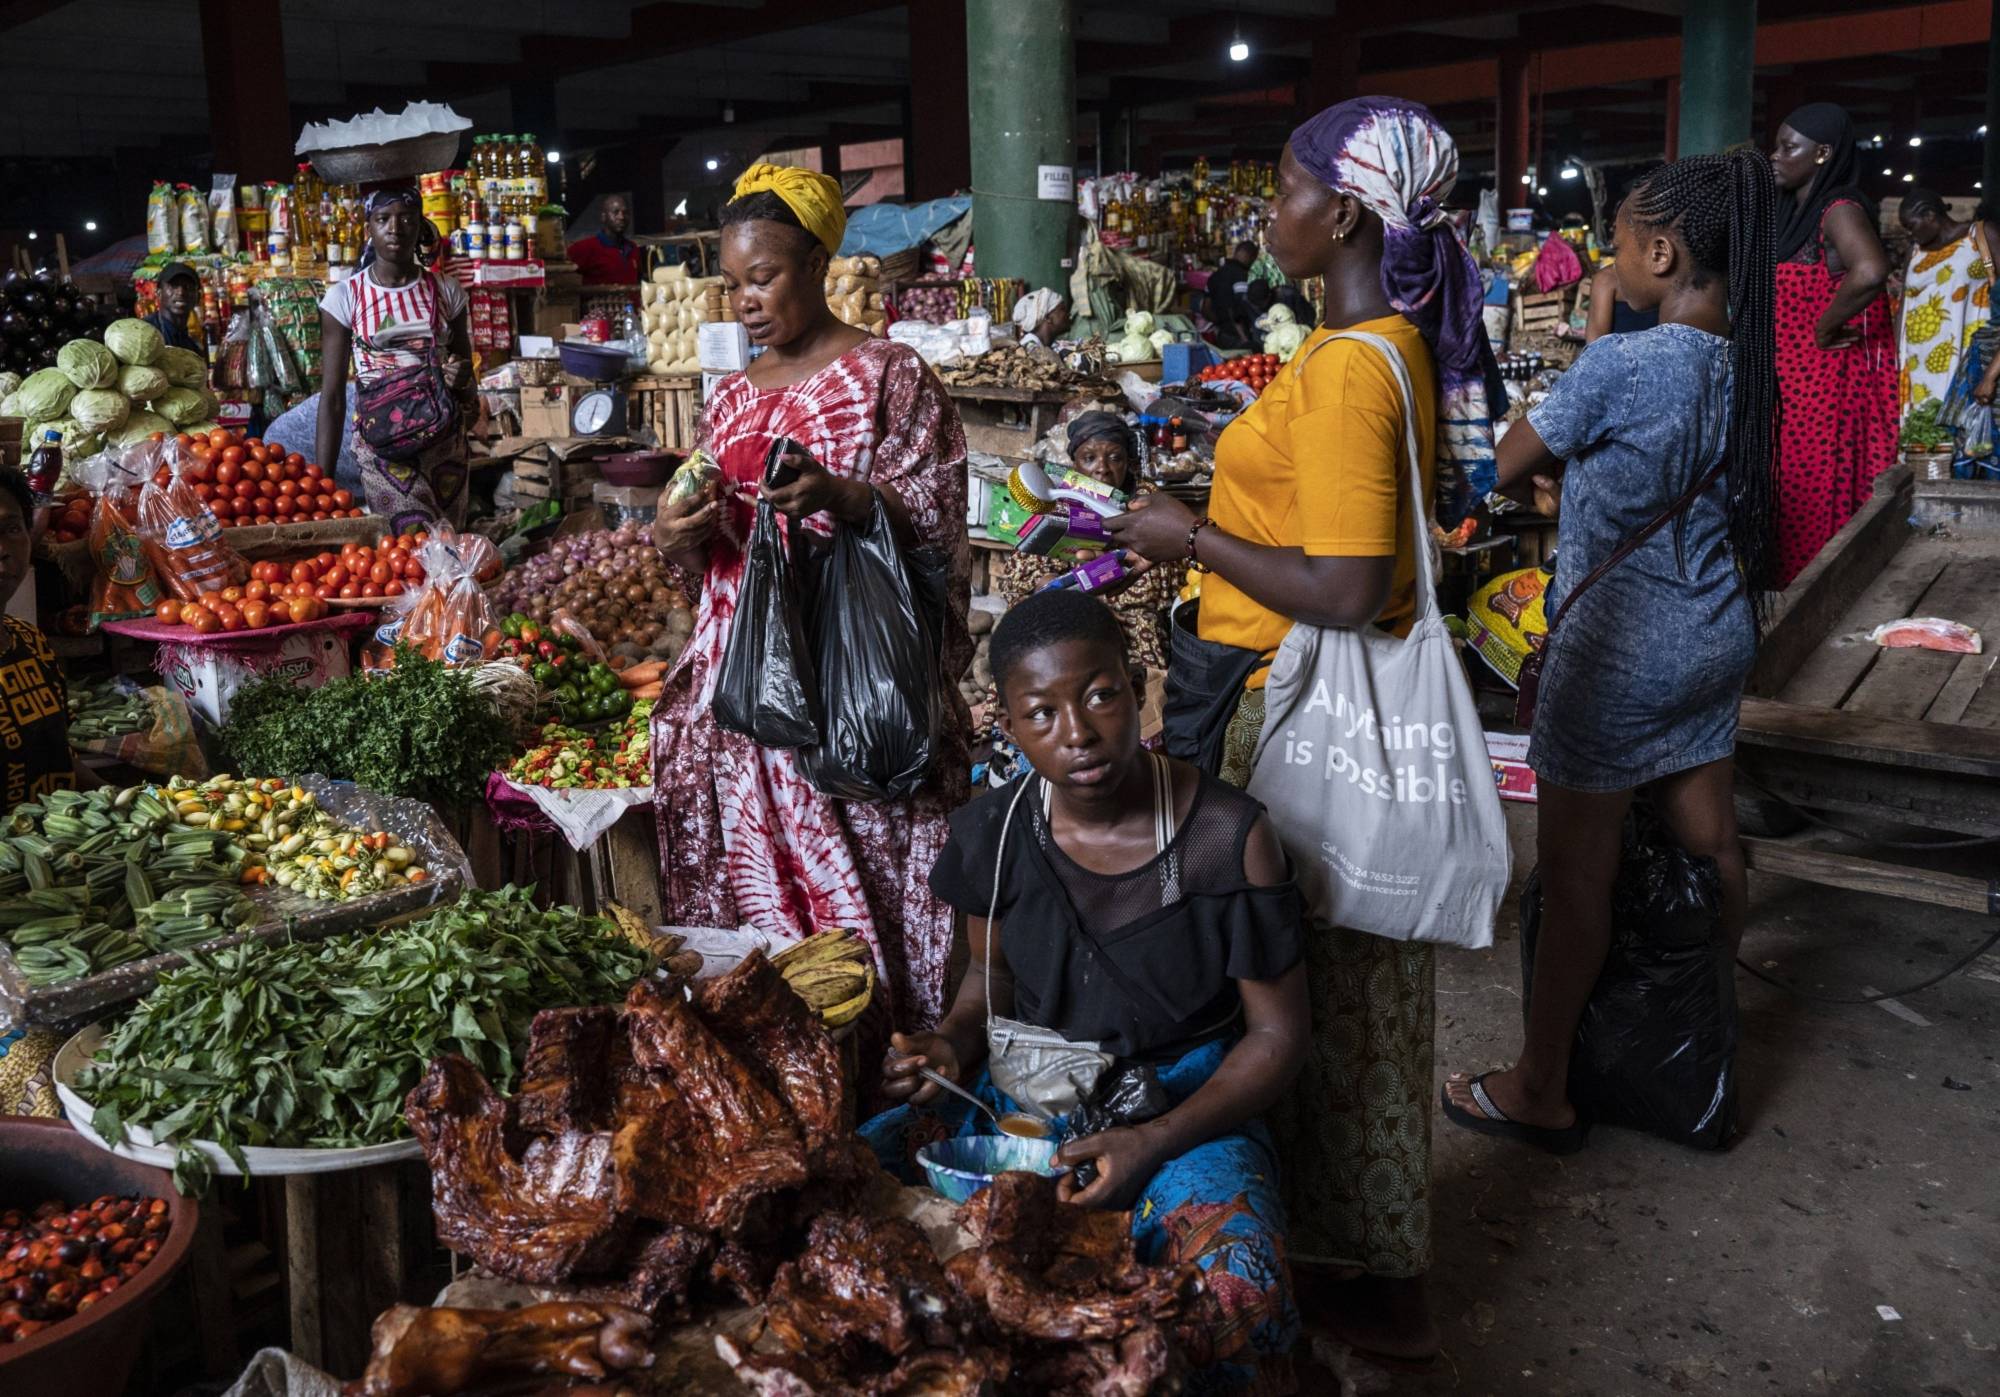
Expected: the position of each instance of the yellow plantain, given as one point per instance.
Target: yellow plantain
(810, 948)
(849, 1010)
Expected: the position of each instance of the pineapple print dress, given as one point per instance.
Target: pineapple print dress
(1838, 429)
(1947, 295)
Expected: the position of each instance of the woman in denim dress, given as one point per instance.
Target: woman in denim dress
(1643, 675)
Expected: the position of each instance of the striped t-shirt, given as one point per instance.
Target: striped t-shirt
(392, 325)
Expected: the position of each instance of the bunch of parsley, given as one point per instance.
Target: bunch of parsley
(419, 730)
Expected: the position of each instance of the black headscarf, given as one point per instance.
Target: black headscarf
(1827, 124)
(1098, 424)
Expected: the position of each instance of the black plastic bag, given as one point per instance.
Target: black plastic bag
(1656, 1047)
(1129, 1096)
(765, 689)
(877, 631)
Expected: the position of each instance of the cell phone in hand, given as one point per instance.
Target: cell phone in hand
(779, 472)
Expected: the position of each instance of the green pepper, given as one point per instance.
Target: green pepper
(566, 697)
(545, 674)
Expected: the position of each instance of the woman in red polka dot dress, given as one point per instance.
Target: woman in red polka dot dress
(1836, 337)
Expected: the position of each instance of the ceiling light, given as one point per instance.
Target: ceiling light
(1916, 140)
(1909, 179)
(555, 157)
(1875, 140)
(1570, 172)
(1541, 189)
(90, 225)
(1887, 171)
(681, 209)
(1527, 179)
(715, 164)
(1982, 130)
(1238, 50)
(32, 235)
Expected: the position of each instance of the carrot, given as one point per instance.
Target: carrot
(645, 691)
(640, 675)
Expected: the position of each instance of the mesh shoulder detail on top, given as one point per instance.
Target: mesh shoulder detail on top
(1205, 858)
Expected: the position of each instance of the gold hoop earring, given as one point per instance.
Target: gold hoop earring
(1820, 161)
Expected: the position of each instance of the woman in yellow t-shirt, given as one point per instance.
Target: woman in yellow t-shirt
(1309, 523)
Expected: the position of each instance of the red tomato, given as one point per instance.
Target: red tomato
(285, 506)
(231, 594)
(295, 462)
(302, 572)
(246, 490)
(231, 618)
(385, 542)
(392, 588)
(234, 455)
(222, 508)
(378, 575)
(322, 591)
(343, 499)
(321, 514)
(257, 590)
(202, 619)
(336, 575)
(350, 591)
(264, 507)
(228, 473)
(168, 613)
(281, 612)
(204, 493)
(325, 561)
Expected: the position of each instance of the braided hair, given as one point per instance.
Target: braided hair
(1723, 209)
(1921, 200)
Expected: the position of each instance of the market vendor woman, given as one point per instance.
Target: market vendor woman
(744, 838)
(399, 318)
(1123, 901)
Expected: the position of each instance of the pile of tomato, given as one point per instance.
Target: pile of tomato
(287, 593)
(245, 481)
(72, 519)
(1257, 370)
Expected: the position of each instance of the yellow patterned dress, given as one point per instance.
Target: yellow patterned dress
(1947, 293)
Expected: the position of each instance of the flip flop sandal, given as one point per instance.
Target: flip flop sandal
(1491, 1120)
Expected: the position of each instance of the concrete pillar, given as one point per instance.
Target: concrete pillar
(1515, 123)
(938, 159)
(249, 115)
(1022, 81)
(1718, 58)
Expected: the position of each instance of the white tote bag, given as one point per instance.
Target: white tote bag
(1374, 768)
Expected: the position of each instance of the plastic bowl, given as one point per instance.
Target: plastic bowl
(962, 1167)
(600, 363)
(639, 469)
(93, 1352)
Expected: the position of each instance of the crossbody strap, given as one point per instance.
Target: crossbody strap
(1631, 545)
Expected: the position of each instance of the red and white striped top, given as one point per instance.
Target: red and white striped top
(392, 325)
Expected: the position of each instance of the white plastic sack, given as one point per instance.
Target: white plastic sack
(1374, 768)
(584, 815)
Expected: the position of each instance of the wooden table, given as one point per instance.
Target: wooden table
(1836, 724)
(1007, 421)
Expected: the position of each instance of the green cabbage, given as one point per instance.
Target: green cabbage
(9, 382)
(100, 409)
(183, 367)
(140, 425)
(203, 428)
(140, 383)
(181, 406)
(44, 396)
(88, 364)
(10, 403)
(80, 445)
(133, 341)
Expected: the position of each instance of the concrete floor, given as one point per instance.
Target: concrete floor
(1859, 1180)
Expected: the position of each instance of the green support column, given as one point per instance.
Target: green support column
(1718, 56)
(1021, 86)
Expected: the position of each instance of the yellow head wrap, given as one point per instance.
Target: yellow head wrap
(814, 197)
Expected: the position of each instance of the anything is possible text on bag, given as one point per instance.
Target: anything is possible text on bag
(1373, 764)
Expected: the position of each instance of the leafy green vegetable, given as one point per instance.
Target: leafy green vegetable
(316, 1045)
(420, 729)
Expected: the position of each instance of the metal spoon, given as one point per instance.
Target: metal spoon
(1028, 1125)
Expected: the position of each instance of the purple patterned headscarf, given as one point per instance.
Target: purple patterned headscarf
(1396, 159)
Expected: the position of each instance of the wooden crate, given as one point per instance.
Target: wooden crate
(537, 478)
(671, 406)
(545, 410)
(1541, 311)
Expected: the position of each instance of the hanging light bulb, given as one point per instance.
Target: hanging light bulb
(1916, 140)
(1541, 189)
(1887, 171)
(1909, 179)
(1570, 172)
(555, 157)
(1527, 179)
(32, 235)
(714, 164)
(1238, 50)
(90, 225)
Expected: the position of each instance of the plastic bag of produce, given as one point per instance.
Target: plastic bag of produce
(448, 618)
(876, 650)
(124, 585)
(133, 341)
(99, 409)
(1656, 1047)
(139, 382)
(160, 224)
(88, 364)
(183, 536)
(183, 367)
(44, 395)
(764, 688)
(193, 219)
(164, 746)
